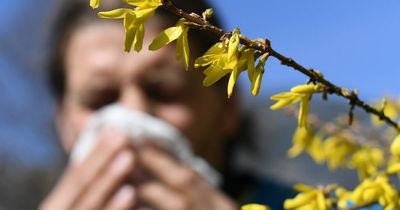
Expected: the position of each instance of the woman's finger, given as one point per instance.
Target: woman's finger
(156, 195)
(107, 183)
(124, 199)
(77, 178)
(167, 169)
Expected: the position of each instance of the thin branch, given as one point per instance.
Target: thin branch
(351, 96)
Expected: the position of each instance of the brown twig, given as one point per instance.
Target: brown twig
(351, 96)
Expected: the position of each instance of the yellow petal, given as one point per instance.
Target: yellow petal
(321, 201)
(144, 3)
(299, 200)
(301, 140)
(129, 38)
(304, 110)
(185, 49)
(166, 37)
(283, 95)
(256, 84)
(210, 56)
(139, 35)
(248, 56)
(143, 14)
(389, 109)
(215, 72)
(205, 60)
(395, 146)
(115, 14)
(232, 81)
(302, 188)
(254, 207)
(179, 48)
(216, 49)
(94, 3)
(371, 194)
(129, 20)
(309, 88)
(286, 101)
(258, 74)
(233, 44)
(393, 169)
(295, 150)
(315, 149)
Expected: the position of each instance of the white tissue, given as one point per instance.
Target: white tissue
(139, 127)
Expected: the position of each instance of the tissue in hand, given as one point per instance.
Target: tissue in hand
(139, 127)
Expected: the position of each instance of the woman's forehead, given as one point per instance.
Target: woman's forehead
(96, 51)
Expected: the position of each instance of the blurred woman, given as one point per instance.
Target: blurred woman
(90, 70)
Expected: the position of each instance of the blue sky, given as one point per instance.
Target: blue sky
(353, 42)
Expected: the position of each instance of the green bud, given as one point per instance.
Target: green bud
(208, 13)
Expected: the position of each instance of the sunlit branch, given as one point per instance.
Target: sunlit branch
(198, 22)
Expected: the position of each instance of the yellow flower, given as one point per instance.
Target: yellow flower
(134, 20)
(306, 89)
(389, 109)
(222, 59)
(254, 207)
(215, 58)
(144, 3)
(179, 33)
(256, 74)
(300, 93)
(301, 140)
(343, 196)
(395, 147)
(94, 3)
(315, 149)
(304, 110)
(309, 198)
(233, 59)
(376, 190)
(337, 150)
(393, 166)
(367, 160)
(284, 99)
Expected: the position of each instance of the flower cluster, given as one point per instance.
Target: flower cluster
(342, 148)
(226, 57)
(309, 198)
(134, 20)
(300, 93)
(179, 33)
(371, 191)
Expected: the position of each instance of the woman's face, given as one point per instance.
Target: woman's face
(99, 72)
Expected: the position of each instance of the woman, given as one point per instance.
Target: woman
(90, 70)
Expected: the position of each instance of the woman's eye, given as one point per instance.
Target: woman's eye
(102, 98)
(164, 93)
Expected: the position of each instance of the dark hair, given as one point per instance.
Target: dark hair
(77, 12)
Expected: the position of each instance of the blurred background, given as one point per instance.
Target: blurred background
(354, 43)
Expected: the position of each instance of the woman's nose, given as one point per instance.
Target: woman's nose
(134, 98)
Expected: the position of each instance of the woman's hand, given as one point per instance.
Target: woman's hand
(97, 182)
(176, 186)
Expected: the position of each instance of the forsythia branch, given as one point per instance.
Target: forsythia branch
(200, 23)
